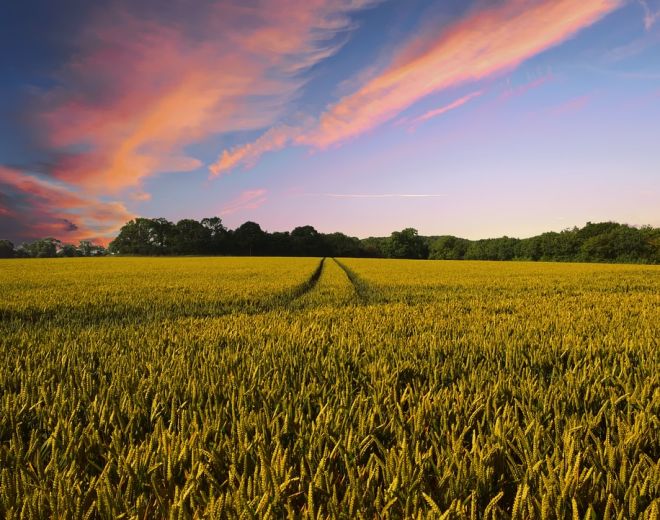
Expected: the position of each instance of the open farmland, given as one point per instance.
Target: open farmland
(273, 387)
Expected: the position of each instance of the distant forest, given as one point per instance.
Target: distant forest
(599, 242)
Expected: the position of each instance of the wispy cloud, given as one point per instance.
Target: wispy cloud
(521, 90)
(486, 42)
(650, 16)
(140, 196)
(146, 80)
(572, 105)
(443, 110)
(144, 84)
(247, 155)
(251, 199)
(381, 195)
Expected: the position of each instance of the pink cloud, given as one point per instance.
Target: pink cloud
(650, 16)
(251, 199)
(141, 196)
(444, 109)
(486, 42)
(144, 87)
(383, 195)
(144, 83)
(39, 208)
(572, 105)
(521, 90)
(274, 139)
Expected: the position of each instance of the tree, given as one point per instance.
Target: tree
(163, 235)
(68, 250)
(144, 236)
(44, 248)
(530, 249)
(6, 249)
(306, 241)
(620, 243)
(85, 248)
(249, 239)
(374, 247)
(279, 244)
(604, 241)
(448, 248)
(406, 244)
(218, 235)
(338, 244)
(133, 238)
(191, 238)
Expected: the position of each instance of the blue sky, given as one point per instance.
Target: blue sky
(478, 119)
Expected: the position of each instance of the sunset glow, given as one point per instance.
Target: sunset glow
(541, 114)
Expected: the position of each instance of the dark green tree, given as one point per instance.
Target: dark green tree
(144, 236)
(306, 241)
(338, 244)
(191, 238)
(406, 244)
(279, 244)
(6, 249)
(448, 248)
(218, 235)
(68, 250)
(249, 239)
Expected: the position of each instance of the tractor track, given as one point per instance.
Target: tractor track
(362, 290)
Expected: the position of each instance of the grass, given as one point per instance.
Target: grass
(250, 388)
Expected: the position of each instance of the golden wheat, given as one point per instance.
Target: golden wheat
(267, 388)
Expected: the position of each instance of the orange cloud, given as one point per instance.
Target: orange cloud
(147, 80)
(274, 139)
(250, 199)
(141, 196)
(521, 90)
(36, 208)
(444, 109)
(144, 87)
(486, 42)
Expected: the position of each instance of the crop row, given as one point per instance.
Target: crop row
(385, 390)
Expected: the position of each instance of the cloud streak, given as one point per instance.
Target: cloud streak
(147, 80)
(444, 109)
(143, 88)
(486, 42)
(650, 16)
(250, 199)
(383, 195)
(247, 155)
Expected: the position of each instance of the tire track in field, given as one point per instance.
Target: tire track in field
(362, 289)
(307, 285)
(287, 299)
(136, 315)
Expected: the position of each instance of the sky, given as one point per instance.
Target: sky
(472, 118)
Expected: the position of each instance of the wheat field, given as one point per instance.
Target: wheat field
(328, 388)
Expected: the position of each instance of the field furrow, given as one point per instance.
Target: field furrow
(333, 289)
(472, 390)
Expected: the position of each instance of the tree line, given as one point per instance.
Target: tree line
(50, 248)
(595, 242)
